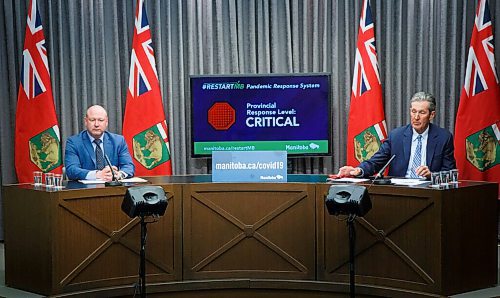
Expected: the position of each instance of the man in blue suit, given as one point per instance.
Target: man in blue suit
(419, 148)
(86, 152)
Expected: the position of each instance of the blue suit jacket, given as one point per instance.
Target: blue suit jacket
(79, 156)
(439, 152)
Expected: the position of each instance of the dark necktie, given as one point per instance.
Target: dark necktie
(99, 156)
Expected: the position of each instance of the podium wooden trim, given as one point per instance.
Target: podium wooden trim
(240, 239)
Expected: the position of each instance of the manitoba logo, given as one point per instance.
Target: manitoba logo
(151, 147)
(368, 141)
(482, 148)
(44, 149)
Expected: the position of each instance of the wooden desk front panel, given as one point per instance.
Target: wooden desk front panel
(99, 245)
(249, 231)
(414, 239)
(397, 242)
(28, 240)
(87, 240)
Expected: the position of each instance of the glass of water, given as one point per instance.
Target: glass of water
(49, 180)
(445, 177)
(58, 181)
(37, 178)
(435, 179)
(454, 176)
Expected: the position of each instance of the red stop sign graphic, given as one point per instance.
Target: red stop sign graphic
(221, 115)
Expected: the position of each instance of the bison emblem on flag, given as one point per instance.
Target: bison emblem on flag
(150, 148)
(367, 143)
(44, 150)
(483, 150)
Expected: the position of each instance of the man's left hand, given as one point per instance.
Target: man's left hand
(423, 171)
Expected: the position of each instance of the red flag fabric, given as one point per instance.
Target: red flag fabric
(477, 136)
(366, 127)
(144, 127)
(37, 137)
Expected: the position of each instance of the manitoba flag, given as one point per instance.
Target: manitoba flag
(38, 139)
(366, 128)
(477, 136)
(144, 127)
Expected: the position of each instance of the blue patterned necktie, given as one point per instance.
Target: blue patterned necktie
(417, 158)
(99, 156)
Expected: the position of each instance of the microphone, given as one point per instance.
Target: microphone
(382, 180)
(115, 181)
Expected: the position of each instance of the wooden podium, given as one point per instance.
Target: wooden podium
(79, 239)
(419, 239)
(249, 239)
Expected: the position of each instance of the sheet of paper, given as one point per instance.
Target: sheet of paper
(92, 181)
(345, 179)
(408, 182)
(134, 180)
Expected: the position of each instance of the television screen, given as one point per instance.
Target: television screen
(261, 112)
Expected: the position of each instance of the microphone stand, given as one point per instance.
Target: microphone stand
(114, 181)
(382, 180)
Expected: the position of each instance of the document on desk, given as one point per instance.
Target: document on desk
(128, 180)
(408, 182)
(134, 180)
(345, 179)
(92, 181)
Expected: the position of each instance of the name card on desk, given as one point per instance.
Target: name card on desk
(249, 166)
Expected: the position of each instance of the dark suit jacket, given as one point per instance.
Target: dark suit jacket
(439, 152)
(79, 156)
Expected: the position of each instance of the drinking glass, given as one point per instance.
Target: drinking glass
(435, 179)
(49, 180)
(58, 181)
(445, 177)
(454, 176)
(37, 178)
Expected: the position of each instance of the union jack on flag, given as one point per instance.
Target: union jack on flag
(481, 59)
(34, 73)
(365, 64)
(142, 62)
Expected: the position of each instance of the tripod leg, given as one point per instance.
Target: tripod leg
(142, 270)
(352, 244)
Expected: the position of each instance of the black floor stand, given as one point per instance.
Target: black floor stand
(352, 244)
(142, 267)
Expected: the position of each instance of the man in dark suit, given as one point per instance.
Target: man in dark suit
(419, 147)
(85, 152)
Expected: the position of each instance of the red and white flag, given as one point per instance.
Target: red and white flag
(366, 128)
(144, 127)
(477, 136)
(37, 134)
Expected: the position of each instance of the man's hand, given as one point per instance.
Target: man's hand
(423, 171)
(348, 171)
(105, 174)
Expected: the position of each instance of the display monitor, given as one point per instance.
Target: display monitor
(261, 112)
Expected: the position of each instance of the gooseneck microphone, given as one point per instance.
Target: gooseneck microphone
(382, 180)
(115, 181)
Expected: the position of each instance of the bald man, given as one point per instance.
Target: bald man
(86, 152)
